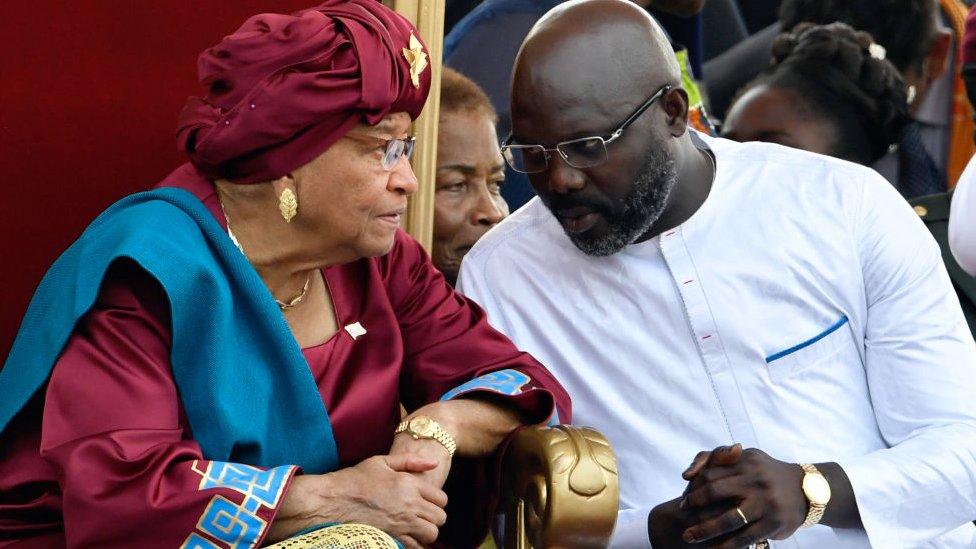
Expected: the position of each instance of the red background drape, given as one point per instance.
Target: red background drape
(89, 96)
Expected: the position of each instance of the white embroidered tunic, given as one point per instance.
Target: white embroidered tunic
(803, 309)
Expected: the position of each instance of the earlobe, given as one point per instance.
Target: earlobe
(286, 181)
(676, 109)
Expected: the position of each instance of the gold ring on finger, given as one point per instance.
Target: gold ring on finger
(743, 515)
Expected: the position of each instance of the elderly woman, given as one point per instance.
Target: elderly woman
(221, 361)
(470, 172)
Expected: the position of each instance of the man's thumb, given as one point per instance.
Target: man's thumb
(727, 455)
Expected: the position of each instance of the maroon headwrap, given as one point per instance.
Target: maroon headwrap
(283, 88)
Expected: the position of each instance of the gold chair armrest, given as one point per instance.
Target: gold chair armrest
(559, 488)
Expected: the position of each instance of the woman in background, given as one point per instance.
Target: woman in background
(470, 172)
(829, 90)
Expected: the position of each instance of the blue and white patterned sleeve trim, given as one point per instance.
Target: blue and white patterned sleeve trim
(236, 525)
(505, 382)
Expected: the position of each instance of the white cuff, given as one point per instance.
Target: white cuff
(631, 529)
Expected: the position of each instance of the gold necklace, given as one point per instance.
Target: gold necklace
(281, 304)
(298, 298)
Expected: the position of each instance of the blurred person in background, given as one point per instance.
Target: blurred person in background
(959, 229)
(830, 90)
(921, 38)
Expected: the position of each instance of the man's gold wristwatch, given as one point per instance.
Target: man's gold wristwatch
(817, 491)
(424, 427)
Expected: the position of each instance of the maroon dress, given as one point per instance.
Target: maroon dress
(103, 457)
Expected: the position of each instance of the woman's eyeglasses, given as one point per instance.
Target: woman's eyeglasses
(395, 148)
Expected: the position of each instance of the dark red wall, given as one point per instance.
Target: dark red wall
(89, 95)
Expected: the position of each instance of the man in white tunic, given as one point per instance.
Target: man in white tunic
(694, 292)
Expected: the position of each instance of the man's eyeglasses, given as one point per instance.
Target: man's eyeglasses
(584, 152)
(395, 148)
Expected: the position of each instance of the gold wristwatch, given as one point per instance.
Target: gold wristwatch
(817, 491)
(424, 427)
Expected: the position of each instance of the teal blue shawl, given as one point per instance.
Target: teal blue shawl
(244, 384)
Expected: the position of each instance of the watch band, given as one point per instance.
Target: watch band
(436, 432)
(816, 510)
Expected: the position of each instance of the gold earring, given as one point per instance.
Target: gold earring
(288, 204)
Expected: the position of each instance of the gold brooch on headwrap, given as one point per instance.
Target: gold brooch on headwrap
(417, 58)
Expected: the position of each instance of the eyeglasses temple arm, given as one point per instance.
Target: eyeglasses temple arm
(640, 110)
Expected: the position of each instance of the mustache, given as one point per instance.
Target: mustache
(571, 201)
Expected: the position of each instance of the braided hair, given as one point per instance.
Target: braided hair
(906, 28)
(840, 74)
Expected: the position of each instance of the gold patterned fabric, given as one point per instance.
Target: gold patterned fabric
(342, 536)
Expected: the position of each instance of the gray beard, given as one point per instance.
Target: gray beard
(642, 207)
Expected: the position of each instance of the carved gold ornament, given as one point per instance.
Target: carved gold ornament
(560, 489)
(417, 58)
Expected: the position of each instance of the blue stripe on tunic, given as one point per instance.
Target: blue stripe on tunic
(833, 328)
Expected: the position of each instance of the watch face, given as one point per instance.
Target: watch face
(422, 426)
(816, 488)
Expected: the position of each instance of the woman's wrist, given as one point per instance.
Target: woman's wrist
(443, 413)
(428, 447)
(477, 424)
(308, 501)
